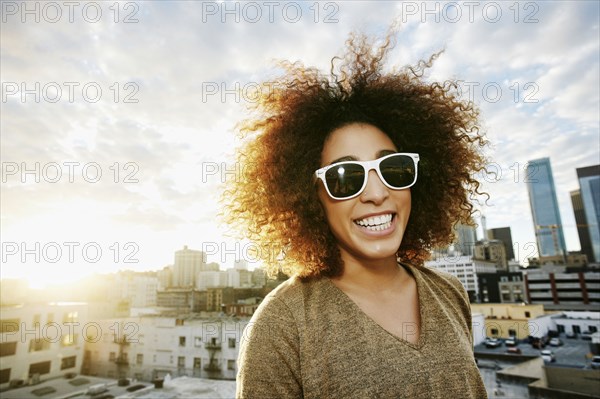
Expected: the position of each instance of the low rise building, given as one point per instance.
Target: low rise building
(560, 286)
(465, 268)
(578, 322)
(41, 341)
(514, 320)
(151, 347)
(501, 287)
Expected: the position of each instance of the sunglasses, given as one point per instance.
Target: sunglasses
(347, 179)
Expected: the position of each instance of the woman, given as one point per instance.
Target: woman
(349, 181)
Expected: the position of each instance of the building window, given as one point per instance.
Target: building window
(494, 332)
(39, 368)
(516, 278)
(37, 345)
(592, 329)
(178, 322)
(4, 376)
(504, 279)
(70, 317)
(512, 333)
(112, 356)
(9, 325)
(230, 364)
(232, 342)
(8, 348)
(181, 361)
(197, 362)
(527, 314)
(139, 359)
(68, 362)
(69, 340)
(198, 341)
(181, 341)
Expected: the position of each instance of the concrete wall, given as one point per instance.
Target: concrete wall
(584, 381)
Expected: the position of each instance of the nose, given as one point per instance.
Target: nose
(375, 191)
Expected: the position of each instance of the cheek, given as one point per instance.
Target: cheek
(333, 211)
(404, 203)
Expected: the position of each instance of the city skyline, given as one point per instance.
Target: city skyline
(141, 167)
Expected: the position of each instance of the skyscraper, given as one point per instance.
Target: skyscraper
(589, 185)
(188, 263)
(582, 227)
(503, 234)
(544, 208)
(465, 238)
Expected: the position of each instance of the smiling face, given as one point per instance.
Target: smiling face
(368, 227)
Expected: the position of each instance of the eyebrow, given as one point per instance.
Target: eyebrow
(379, 154)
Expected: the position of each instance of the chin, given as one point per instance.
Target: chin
(380, 253)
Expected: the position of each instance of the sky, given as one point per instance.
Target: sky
(118, 119)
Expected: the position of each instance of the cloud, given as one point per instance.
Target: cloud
(157, 118)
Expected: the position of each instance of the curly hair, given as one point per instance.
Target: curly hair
(274, 201)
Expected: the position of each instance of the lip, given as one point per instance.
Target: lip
(377, 233)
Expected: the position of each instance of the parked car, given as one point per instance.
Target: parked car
(492, 343)
(596, 362)
(587, 335)
(539, 343)
(137, 387)
(512, 341)
(548, 356)
(556, 342)
(571, 335)
(514, 350)
(96, 389)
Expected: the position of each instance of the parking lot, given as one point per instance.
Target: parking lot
(575, 352)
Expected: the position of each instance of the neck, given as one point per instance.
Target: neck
(371, 275)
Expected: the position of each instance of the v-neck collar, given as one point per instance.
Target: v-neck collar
(423, 328)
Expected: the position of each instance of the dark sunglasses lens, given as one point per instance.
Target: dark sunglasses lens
(398, 171)
(345, 180)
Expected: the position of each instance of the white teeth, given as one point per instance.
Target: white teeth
(376, 223)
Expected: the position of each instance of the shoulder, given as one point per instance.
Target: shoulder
(444, 289)
(441, 281)
(269, 357)
(285, 304)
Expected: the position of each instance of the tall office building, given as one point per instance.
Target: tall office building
(465, 239)
(544, 208)
(503, 234)
(582, 228)
(589, 185)
(188, 263)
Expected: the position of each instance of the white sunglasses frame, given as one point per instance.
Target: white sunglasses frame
(368, 166)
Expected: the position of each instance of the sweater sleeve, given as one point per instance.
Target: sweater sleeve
(269, 364)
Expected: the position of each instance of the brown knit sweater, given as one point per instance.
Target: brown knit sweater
(310, 340)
